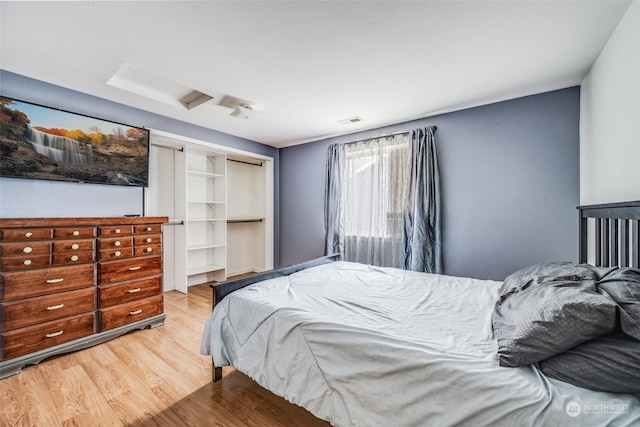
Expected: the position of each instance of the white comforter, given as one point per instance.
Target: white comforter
(367, 346)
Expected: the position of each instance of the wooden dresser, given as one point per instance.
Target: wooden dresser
(70, 283)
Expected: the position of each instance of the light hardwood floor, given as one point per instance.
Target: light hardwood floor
(154, 377)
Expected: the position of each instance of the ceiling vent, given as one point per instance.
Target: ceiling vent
(194, 99)
(351, 120)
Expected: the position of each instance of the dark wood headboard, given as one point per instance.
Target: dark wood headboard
(615, 231)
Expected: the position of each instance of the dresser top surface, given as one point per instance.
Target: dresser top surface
(85, 221)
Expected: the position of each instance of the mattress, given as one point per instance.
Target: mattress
(359, 345)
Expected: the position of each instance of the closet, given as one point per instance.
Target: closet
(219, 202)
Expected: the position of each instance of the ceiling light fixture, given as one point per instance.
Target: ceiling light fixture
(245, 111)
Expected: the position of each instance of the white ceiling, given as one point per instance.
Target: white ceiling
(305, 65)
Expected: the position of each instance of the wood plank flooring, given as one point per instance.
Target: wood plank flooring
(154, 377)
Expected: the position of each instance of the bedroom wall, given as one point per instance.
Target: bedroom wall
(510, 185)
(34, 198)
(610, 118)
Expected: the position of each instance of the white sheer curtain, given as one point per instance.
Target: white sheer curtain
(376, 176)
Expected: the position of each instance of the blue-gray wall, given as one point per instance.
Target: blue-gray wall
(510, 185)
(34, 198)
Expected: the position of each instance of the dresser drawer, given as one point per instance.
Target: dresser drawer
(115, 242)
(115, 230)
(20, 313)
(74, 232)
(33, 338)
(147, 250)
(24, 262)
(112, 253)
(73, 258)
(133, 268)
(130, 312)
(148, 228)
(83, 245)
(121, 293)
(149, 239)
(24, 249)
(25, 284)
(25, 234)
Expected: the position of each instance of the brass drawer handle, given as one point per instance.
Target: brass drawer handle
(137, 267)
(27, 250)
(133, 291)
(134, 312)
(51, 281)
(55, 307)
(54, 334)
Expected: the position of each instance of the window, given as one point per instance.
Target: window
(375, 179)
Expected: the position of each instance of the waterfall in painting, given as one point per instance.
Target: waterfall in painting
(60, 148)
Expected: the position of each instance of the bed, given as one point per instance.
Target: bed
(358, 345)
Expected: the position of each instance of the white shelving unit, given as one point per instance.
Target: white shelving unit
(221, 209)
(206, 215)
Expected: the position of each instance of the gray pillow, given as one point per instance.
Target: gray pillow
(623, 285)
(548, 309)
(609, 363)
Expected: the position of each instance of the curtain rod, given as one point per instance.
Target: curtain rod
(385, 136)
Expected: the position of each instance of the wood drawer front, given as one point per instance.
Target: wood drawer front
(24, 249)
(149, 239)
(25, 234)
(115, 242)
(115, 230)
(73, 258)
(120, 271)
(26, 284)
(147, 250)
(148, 228)
(74, 232)
(21, 313)
(130, 312)
(84, 245)
(24, 262)
(109, 254)
(33, 338)
(111, 295)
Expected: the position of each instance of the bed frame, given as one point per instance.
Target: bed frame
(609, 234)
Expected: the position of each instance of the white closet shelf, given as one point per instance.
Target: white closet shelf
(208, 202)
(201, 269)
(205, 246)
(204, 219)
(205, 174)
